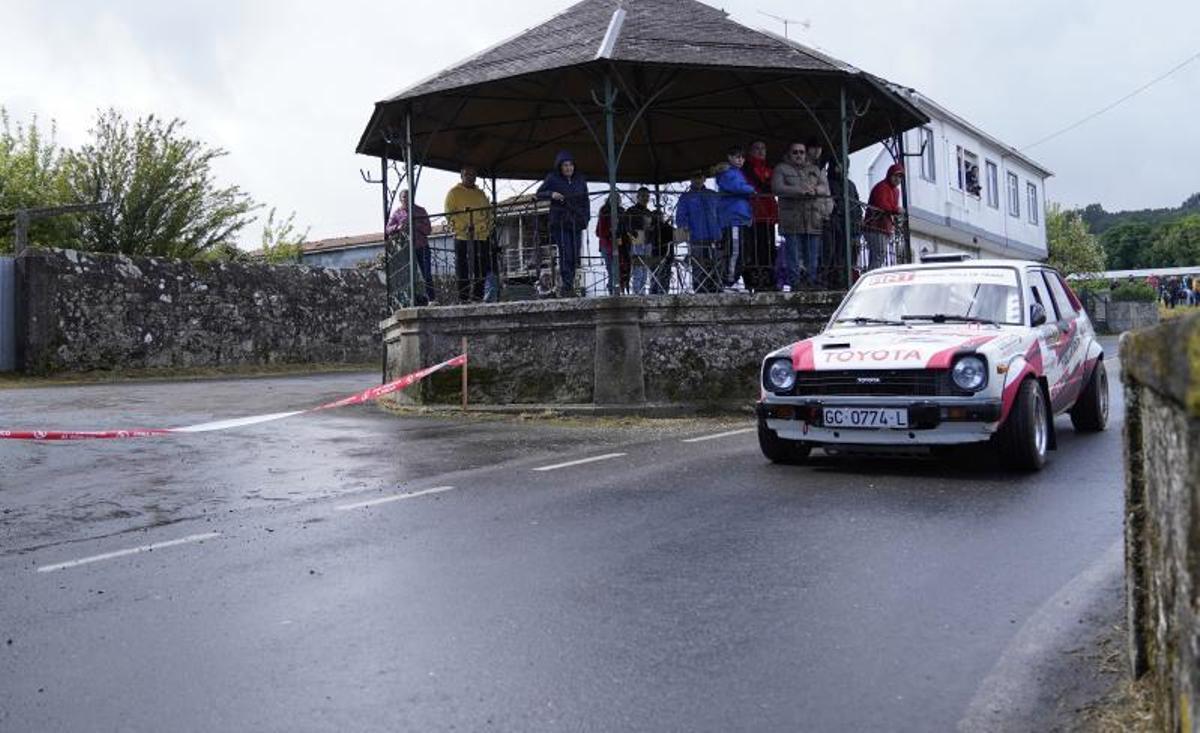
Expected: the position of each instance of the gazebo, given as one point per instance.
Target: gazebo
(641, 91)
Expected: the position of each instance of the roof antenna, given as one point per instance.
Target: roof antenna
(805, 24)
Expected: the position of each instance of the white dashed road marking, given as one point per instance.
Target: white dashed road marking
(393, 497)
(129, 551)
(580, 462)
(703, 438)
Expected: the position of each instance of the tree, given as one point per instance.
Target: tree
(1178, 243)
(281, 240)
(1072, 248)
(165, 202)
(31, 176)
(1127, 246)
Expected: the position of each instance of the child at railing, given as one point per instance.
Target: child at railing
(697, 213)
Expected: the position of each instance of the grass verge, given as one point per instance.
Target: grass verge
(1127, 706)
(1178, 311)
(19, 381)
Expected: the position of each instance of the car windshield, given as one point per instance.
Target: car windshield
(938, 295)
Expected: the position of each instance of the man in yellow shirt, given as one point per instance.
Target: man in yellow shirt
(470, 215)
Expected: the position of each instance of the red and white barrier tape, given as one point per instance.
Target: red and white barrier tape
(357, 399)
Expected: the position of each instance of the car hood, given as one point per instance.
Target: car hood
(894, 347)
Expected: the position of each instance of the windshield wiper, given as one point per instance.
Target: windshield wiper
(863, 320)
(948, 318)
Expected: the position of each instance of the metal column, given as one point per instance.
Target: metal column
(614, 273)
(845, 156)
(904, 200)
(409, 168)
(387, 260)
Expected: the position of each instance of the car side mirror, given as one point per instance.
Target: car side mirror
(1037, 314)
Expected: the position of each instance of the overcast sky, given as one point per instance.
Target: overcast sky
(287, 87)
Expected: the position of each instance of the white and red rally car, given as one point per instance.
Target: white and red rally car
(935, 355)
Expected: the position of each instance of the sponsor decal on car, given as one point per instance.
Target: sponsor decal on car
(941, 276)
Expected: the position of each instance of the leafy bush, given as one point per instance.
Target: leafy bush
(1135, 292)
(164, 195)
(1071, 247)
(1091, 285)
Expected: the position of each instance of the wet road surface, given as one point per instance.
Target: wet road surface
(360, 571)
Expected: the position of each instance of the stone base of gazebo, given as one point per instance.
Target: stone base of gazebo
(698, 350)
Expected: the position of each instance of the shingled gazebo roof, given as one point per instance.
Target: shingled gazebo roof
(701, 80)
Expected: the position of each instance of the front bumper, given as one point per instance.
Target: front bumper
(931, 420)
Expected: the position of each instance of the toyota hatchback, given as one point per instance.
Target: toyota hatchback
(938, 355)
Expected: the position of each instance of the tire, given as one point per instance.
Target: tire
(1025, 436)
(1090, 413)
(781, 450)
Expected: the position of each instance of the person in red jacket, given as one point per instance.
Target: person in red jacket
(604, 234)
(758, 268)
(882, 208)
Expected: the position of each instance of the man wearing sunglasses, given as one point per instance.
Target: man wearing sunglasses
(804, 207)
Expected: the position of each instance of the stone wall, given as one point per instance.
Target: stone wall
(1110, 316)
(99, 312)
(1131, 315)
(1161, 370)
(703, 350)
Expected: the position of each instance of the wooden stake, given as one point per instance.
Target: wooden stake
(464, 374)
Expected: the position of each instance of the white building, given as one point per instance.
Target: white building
(967, 191)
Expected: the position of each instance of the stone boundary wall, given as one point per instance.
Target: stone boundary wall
(83, 311)
(702, 350)
(1117, 316)
(1161, 371)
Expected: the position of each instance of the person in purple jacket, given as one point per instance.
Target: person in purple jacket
(397, 226)
(570, 210)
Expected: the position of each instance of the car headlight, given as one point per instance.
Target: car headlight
(780, 376)
(969, 373)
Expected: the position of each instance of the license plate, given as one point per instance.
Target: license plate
(864, 417)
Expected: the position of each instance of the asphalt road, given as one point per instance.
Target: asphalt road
(359, 571)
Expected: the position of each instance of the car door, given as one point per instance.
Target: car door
(1075, 331)
(1062, 340)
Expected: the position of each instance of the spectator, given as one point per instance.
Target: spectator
(735, 215)
(835, 241)
(640, 222)
(1195, 290)
(397, 226)
(804, 208)
(759, 262)
(882, 209)
(570, 210)
(604, 234)
(470, 216)
(697, 213)
(662, 248)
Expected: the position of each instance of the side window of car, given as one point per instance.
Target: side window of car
(1037, 289)
(1072, 298)
(1051, 303)
(1065, 307)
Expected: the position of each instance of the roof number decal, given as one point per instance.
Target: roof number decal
(939, 276)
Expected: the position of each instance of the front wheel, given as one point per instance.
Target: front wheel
(1090, 413)
(1024, 437)
(781, 450)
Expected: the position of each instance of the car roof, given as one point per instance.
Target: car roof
(1019, 264)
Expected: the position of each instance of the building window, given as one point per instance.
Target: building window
(993, 184)
(1014, 194)
(1032, 202)
(928, 164)
(968, 171)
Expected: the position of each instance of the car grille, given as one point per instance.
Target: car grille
(896, 382)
